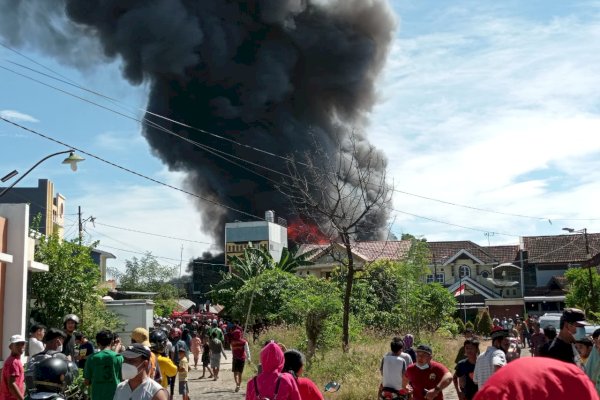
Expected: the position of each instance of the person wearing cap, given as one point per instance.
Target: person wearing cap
(141, 336)
(493, 359)
(584, 347)
(53, 341)
(538, 378)
(562, 347)
(12, 384)
(137, 385)
(102, 370)
(428, 378)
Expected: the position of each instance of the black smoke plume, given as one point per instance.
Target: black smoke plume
(260, 72)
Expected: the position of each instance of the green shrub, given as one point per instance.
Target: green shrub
(485, 324)
(469, 325)
(460, 324)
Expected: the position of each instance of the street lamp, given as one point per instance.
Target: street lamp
(588, 256)
(72, 160)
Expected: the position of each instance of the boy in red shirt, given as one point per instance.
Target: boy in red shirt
(13, 374)
(240, 353)
(428, 378)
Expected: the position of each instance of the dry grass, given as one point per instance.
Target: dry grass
(358, 370)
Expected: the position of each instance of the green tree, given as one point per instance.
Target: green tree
(71, 285)
(312, 303)
(484, 327)
(146, 274)
(579, 289)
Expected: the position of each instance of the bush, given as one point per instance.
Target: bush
(476, 323)
(469, 325)
(460, 324)
(485, 324)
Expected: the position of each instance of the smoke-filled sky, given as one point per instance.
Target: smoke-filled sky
(492, 106)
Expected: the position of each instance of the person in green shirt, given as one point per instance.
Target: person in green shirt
(215, 328)
(103, 369)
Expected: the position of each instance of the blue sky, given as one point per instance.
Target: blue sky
(493, 105)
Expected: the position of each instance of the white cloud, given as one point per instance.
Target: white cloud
(17, 116)
(495, 112)
(142, 208)
(119, 141)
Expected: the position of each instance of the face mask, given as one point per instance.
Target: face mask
(422, 367)
(129, 371)
(59, 349)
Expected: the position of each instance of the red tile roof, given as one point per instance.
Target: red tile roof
(441, 252)
(560, 248)
(367, 250)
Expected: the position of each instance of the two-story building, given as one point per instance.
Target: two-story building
(507, 280)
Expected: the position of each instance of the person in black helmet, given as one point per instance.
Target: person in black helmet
(70, 323)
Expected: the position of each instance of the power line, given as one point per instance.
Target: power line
(131, 171)
(222, 153)
(154, 234)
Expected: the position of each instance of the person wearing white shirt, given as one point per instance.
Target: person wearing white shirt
(36, 334)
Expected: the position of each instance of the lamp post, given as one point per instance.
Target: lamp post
(588, 256)
(72, 160)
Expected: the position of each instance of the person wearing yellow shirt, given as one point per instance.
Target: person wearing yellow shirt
(158, 343)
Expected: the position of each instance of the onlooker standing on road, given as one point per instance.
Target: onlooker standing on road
(183, 369)
(427, 377)
(463, 375)
(103, 369)
(196, 345)
(206, 360)
(36, 335)
(138, 385)
(393, 369)
(70, 323)
(549, 335)
(562, 347)
(216, 349)
(537, 339)
(12, 385)
(240, 352)
(592, 366)
(408, 347)
(461, 351)
(86, 349)
(584, 347)
(493, 359)
(270, 383)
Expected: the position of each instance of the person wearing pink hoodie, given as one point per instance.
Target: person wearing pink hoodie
(271, 383)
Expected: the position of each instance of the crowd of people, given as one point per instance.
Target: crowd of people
(146, 369)
(561, 366)
(159, 357)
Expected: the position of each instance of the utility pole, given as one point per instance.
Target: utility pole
(80, 225)
(588, 256)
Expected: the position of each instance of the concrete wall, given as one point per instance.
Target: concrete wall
(133, 314)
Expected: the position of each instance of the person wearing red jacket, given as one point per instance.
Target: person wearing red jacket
(271, 383)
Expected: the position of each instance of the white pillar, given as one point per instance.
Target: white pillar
(15, 290)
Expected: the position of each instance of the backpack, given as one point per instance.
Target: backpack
(257, 393)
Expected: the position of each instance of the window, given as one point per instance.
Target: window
(464, 271)
(439, 278)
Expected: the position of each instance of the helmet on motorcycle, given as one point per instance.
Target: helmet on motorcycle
(71, 317)
(158, 341)
(175, 333)
(50, 375)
